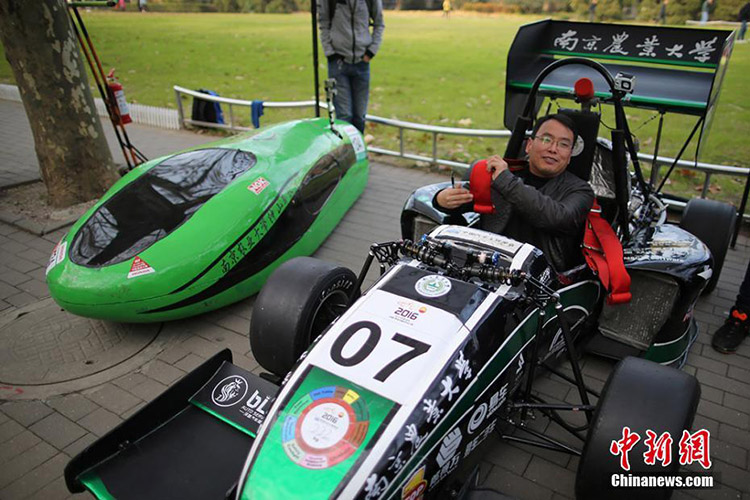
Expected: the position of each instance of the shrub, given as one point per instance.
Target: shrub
(605, 9)
(727, 10)
(280, 7)
(489, 8)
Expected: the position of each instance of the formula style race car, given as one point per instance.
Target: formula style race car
(654, 271)
(395, 390)
(201, 229)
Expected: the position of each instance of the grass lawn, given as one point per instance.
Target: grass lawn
(429, 70)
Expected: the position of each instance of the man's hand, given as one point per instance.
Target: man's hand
(496, 165)
(366, 58)
(454, 197)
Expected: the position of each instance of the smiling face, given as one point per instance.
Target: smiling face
(550, 160)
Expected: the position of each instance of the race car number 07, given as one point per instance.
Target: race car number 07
(373, 337)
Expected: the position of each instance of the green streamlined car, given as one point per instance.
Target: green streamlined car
(201, 229)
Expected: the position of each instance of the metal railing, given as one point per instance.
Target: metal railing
(708, 169)
(179, 91)
(400, 125)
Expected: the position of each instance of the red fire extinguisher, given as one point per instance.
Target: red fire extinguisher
(118, 94)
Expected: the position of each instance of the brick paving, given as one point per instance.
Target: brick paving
(38, 437)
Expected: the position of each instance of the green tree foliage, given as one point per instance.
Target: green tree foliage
(281, 6)
(727, 10)
(649, 10)
(261, 6)
(536, 6)
(605, 9)
(227, 5)
(678, 11)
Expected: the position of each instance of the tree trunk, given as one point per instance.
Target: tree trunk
(41, 47)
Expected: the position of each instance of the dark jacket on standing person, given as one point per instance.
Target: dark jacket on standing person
(547, 213)
(346, 35)
(744, 13)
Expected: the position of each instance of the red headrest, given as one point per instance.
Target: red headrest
(479, 185)
(584, 89)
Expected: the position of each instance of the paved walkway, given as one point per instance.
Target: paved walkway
(39, 436)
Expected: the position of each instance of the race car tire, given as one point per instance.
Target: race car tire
(713, 223)
(641, 395)
(297, 303)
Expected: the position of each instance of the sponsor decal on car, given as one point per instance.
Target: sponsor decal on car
(230, 391)
(416, 486)
(58, 255)
(258, 185)
(226, 397)
(243, 246)
(433, 286)
(497, 241)
(449, 447)
(325, 427)
(357, 143)
(139, 267)
(407, 312)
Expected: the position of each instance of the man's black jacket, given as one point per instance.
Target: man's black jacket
(552, 217)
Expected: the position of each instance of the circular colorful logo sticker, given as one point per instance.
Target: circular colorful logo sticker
(325, 427)
(433, 285)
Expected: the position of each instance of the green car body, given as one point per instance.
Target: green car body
(195, 231)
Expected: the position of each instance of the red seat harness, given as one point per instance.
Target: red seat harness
(603, 253)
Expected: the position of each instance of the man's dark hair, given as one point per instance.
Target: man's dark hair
(564, 119)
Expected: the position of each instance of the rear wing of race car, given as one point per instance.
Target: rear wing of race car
(677, 70)
(188, 443)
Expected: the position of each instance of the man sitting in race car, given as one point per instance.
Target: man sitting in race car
(544, 204)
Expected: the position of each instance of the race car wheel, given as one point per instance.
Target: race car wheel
(299, 300)
(713, 223)
(641, 395)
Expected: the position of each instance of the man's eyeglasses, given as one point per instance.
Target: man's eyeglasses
(547, 140)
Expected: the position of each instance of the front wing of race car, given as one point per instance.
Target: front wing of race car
(189, 442)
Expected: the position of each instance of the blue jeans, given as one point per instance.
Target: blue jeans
(352, 91)
(743, 29)
(704, 16)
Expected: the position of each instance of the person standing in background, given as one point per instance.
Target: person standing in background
(446, 8)
(349, 46)
(592, 11)
(744, 17)
(730, 335)
(705, 8)
(663, 12)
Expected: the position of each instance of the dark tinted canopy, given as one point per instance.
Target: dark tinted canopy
(155, 204)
